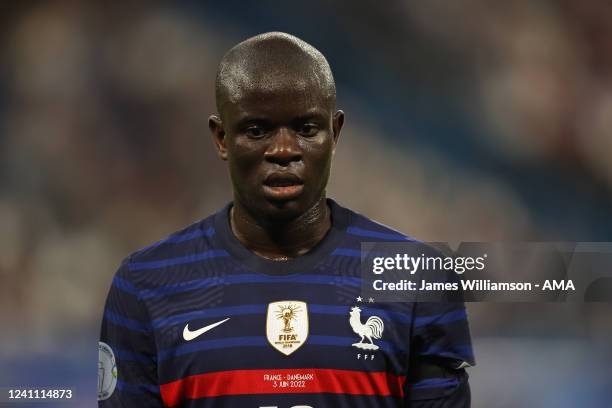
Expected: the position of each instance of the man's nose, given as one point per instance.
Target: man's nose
(283, 148)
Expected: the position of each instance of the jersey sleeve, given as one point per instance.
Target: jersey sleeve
(441, 349)
(127, 365)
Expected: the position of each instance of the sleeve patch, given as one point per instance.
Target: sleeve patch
(107, 371)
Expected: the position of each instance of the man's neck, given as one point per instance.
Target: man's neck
(281, 239)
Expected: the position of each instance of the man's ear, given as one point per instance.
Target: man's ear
(218, 134)
(337, 123)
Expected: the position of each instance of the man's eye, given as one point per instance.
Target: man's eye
(308, 129)
(254, 132)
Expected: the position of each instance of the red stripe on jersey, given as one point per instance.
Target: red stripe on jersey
(295, 380)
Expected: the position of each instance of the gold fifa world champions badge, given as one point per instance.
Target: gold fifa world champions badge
(287, 325)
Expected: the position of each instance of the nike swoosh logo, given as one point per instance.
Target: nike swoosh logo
(190, 335)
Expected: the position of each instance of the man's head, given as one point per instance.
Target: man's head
(277, 124)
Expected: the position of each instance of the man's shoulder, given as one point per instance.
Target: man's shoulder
(367, 229)
(147, 267)
(195, 236)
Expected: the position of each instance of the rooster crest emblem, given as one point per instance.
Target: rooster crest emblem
(373, 328)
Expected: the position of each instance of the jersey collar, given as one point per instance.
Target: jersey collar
(303, 263)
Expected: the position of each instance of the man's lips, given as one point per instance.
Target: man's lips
(279, 179)
(282, 186)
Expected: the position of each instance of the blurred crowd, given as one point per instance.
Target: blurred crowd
(104, 147)
(104, 144)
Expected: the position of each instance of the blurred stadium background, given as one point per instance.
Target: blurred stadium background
(466, 121)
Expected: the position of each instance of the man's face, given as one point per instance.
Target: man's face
(279, 145)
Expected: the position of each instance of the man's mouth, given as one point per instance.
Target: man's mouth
(282, 186)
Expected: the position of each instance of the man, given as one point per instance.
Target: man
(259, 304)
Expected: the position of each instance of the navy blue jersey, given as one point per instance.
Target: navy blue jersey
(197, 320)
